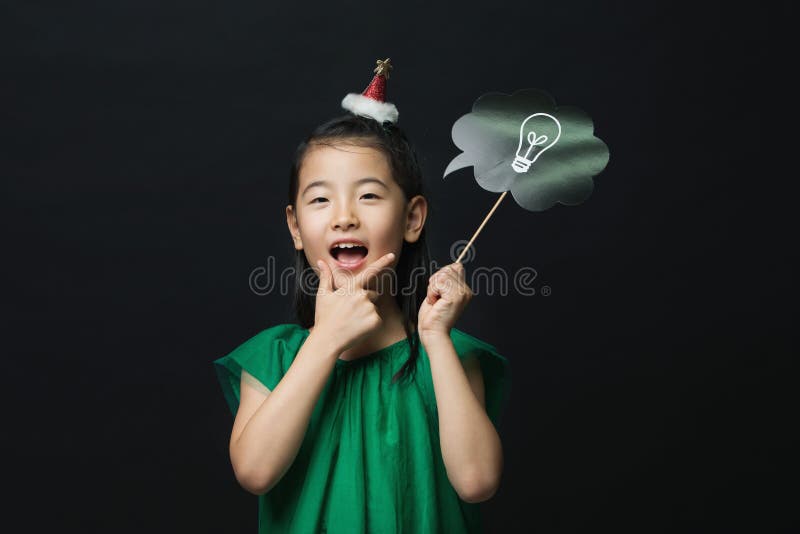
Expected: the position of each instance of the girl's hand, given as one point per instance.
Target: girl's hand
(345, 304)
(448, 295)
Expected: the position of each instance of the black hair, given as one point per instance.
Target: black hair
(414, 257)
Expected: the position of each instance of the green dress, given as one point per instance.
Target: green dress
(370, 461)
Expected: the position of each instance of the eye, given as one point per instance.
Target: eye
(314, 200)
(370, 194)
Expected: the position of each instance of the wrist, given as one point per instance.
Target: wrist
(325, 344)
(434, 336)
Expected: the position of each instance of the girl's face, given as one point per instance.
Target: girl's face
(346, 193)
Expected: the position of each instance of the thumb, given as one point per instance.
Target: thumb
(325, 276)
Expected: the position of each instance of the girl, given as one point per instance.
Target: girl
(373, 414)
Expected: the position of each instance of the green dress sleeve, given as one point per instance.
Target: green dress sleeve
(495, 368)
(266, 356)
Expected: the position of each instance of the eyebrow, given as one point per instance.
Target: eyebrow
(368, 179)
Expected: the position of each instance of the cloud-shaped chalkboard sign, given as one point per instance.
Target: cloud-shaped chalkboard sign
(524, 144)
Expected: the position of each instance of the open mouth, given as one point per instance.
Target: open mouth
(349, 255)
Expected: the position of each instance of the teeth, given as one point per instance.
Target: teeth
(346, 245)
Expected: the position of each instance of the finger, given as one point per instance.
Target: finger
(455, 269)
(445, 283)
(434, 289)
(339, 277)
(342, 278)
(432, 296)
(444, 279)
(374, 269)
(325, 276)
(451, 269)
(372, 295)
(447, 276)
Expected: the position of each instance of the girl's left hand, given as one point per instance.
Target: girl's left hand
(448, 295)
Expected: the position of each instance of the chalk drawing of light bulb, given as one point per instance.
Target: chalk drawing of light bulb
(531, 146)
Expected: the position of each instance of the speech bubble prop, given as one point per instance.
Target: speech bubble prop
(526, 145)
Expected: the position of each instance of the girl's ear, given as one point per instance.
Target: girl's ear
(294, 229)
(416, 213)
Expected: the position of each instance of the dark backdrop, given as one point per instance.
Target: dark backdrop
(145, 154)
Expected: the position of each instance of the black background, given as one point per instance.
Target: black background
(145, 154)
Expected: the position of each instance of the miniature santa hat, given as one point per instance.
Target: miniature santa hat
(371, 103)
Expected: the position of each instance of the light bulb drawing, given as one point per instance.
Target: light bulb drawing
(534, 145)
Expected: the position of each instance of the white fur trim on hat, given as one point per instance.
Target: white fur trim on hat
(369, 107)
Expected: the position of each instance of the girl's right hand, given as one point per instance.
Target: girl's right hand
(345, 304)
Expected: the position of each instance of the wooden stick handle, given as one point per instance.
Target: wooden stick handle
(481, 226)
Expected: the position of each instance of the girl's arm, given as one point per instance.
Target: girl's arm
(471, 447)
(270, 425)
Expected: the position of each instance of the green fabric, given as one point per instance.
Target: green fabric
(370, 461)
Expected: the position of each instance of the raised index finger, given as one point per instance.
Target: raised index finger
(372, 270)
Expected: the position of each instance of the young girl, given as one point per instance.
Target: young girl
(373, 414)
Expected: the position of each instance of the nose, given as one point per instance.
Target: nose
(345, 218)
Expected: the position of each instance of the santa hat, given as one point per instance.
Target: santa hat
(371, 103)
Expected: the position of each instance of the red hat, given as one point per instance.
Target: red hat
(371, 103)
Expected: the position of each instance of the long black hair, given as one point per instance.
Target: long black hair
(414, 258)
